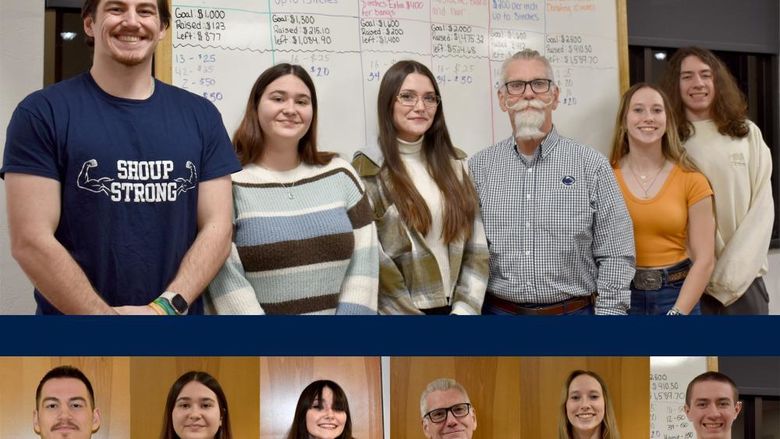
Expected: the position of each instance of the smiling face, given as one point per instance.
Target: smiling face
(64, 411)
(451, 427)
(697, 88)
(125, 32)
(646, 118)
(530, 113)
(285, 110)
(322, 421)
(713, 409)
(196, 414)
(411, 122)
(585, 405)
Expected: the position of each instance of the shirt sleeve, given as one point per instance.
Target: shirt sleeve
(230, 292)
(359, 290)
(747, 248)
(31, 145)
(613, 246)
(698, 188)
(219, 156)
(469, 292)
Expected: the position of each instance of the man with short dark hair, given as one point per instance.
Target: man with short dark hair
(447, 411)
(118, 186)
(560, 237)
(712, 404)
(65, 405)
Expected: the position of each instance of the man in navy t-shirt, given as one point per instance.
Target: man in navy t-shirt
(118, 186)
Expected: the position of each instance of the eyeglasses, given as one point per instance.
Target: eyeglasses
(440, 415)
(537, 86)
(410, 99)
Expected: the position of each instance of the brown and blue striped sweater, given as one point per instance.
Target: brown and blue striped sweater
(304, 243)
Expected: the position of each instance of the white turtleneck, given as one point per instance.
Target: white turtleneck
(414, 160)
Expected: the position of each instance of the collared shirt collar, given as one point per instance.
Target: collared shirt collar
(548, 144)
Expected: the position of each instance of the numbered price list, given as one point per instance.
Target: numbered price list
(667, 414)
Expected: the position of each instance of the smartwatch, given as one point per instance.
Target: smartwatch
(177, 301)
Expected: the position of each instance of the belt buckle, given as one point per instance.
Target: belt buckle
(648, 280)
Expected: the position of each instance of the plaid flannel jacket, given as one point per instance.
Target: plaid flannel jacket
(409, 276)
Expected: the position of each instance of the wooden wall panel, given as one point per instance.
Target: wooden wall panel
(542, 379)
(151, 379)
(493, 384)
(19, 377)
(283, 378)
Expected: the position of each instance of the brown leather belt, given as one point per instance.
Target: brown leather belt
(553, 309)
(654, 279)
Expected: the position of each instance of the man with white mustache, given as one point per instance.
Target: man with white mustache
(712, 404)
(65, 405)
(560, 236)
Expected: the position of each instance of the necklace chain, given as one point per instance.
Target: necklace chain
(639, 180)
(287, 187)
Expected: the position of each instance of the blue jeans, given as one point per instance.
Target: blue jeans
(488, 310)
(657, 302)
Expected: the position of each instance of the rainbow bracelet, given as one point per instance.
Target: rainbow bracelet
(162, 307)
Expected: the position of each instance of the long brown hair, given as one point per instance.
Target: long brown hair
(460, 198)
(729, 107)
(311, 394)
(671, 146)
(207, 380)
(248, 138)
(609, 429)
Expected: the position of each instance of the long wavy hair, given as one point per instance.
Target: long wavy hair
(459, 196)
(609, 428)
(671, 146)
(248, 138)
(207, 380)
(311, 394)
(729, 107)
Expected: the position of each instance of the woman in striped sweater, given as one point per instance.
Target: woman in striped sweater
(304, 239)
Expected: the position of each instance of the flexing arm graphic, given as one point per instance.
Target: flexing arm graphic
(90, 184)
(185, 184)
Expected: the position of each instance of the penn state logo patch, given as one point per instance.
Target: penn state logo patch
(568, 180)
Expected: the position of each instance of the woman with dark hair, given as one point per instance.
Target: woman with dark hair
(322, 413)
(730, 151)
(670, 204)
(433, 251)
(586, 410)
(304, 240)
(196, 408)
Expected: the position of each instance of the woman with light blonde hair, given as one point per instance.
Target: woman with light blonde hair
(670, 204)
(586, 408)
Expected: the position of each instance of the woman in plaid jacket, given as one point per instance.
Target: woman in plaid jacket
(434, 256)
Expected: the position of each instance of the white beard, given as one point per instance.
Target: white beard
(528, 123)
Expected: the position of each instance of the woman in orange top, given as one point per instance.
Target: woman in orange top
(670, 203)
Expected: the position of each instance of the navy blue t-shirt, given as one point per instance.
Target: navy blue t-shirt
(129, 171)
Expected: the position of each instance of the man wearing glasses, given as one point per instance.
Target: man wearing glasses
(447, 411)
(559, 234)
(712, 404)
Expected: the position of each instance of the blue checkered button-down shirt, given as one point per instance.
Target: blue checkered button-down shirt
(557, 226)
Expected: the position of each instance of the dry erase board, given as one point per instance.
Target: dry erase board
(669, 378)
(219, 47)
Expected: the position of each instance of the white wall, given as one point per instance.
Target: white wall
(21, 72)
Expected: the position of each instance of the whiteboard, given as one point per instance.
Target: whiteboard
(219, 48)
(669, 378)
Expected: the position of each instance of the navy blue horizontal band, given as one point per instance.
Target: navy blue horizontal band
(388, 336)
